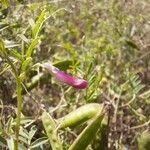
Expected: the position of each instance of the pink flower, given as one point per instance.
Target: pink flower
(62, 76)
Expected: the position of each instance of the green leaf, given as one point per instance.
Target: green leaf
(9, 125)
(31, 22)
(32, 133)
(25, 64)
(11, 44)
(39, 142)
(38, 24)
(16, 55)
(89, 68)
(23, 139)
(26, 120)
(22, 36)
(24, 133)
(2, 47)
(31, 47)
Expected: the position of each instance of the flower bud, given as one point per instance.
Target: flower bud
(62, 76)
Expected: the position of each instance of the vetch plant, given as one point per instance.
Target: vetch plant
(91, 111)
(114, 60)
(80, 116)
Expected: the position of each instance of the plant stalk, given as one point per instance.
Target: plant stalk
(19, 102)
(18, 88)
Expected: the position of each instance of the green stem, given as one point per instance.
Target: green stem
(19, 102)
(18, 88)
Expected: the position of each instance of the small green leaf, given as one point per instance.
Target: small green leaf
(24, 133)
(2, 47)
(89, 68)
(38, 24)
(9, 125)
(23, 38)
(26, 120)
(16, 55)
(32, 132)
(25, 64)
(31, 47)
(23, 139)
(39, 142)
(11, 44)
(31, 22)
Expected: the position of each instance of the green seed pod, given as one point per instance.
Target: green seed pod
(84, 139)
(80, 115)
(50, 128)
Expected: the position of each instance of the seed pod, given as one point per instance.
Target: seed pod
(87, 135)
(80, 115)
(50, 128)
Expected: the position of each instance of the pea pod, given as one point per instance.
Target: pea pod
(87, 135)
(50, 128)
(80, 115)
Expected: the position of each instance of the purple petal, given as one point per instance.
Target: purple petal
(62, 76)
